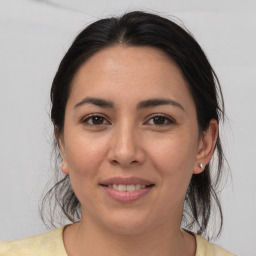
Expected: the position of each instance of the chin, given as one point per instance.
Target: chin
(128, 224)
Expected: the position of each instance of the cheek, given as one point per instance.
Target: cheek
(174, 154)
(174, 158)
(84, 156)
(84, 153)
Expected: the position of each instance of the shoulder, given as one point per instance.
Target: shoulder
(50, 243)
(205, 247)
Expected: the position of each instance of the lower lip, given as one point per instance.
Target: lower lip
(126, 196)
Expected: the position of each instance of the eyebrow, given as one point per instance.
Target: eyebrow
(158, 102)
(95, 101)
(141, 105)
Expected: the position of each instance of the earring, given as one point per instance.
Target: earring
(201, 165)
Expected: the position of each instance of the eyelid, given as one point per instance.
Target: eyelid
(88, 117)
(170, 119)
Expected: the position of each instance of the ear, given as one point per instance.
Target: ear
(206, 147)
(60, 140)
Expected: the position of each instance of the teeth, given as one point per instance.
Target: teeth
(138, 186)
(121, 188)
(130, 187)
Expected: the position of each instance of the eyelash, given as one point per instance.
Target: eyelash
(90, 117)
(166, 118)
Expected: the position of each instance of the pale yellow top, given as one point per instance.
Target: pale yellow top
(51, 244)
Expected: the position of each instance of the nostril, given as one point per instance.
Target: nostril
(114, 162)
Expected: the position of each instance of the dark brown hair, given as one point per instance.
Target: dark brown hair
(145, 29)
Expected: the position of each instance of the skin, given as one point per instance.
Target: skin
(126, 142)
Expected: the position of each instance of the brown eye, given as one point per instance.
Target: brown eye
(95, 120)
(160, 120)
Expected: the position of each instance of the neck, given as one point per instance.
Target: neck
(88, 238)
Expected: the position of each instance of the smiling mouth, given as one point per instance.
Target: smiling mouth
(127, 188)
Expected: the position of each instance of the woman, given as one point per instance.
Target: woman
(136, 107)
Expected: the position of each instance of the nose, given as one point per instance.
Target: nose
(126, 148)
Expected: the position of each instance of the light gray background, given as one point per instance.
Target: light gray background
(34, 35)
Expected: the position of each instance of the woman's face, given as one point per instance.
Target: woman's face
(130, 142)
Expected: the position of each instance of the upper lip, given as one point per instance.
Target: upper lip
(125, 181)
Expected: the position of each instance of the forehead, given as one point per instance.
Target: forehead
(130, 72)
(126, 59)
